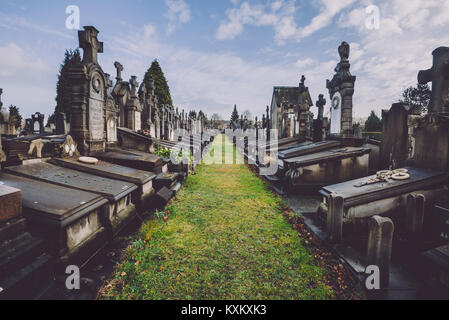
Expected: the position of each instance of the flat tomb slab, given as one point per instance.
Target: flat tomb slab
(142, 179)
(66, 218)
(108, 170)
(419, 179)
(307, 148)
(10, 203)
(328, 155)
(133, 159)
(112, 189)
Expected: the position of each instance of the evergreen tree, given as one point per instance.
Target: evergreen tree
(162, 90)
(417, 97)
(71, 58)
(235, 115)
(192, 114)
(373, 123)
(14, 117)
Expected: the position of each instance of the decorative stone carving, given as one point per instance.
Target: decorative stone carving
(88, 96)
(439, 76)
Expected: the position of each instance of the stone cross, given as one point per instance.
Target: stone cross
(1, 103)
(134, 84)
(119, 69)
(320, 105)
(439, 76)
(88, 41)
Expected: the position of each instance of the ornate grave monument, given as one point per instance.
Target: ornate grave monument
(341, 90)
(88, 95)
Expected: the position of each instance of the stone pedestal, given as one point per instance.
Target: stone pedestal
(10, 203)
(379, 246)
(341, 90)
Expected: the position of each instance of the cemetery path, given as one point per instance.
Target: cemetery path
(223, 237)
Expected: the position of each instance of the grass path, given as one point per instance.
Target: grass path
(223, 237)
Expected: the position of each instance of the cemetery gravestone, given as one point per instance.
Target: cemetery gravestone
(341, 90)
(88, 96)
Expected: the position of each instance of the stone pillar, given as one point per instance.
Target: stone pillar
(343, 84)
(335, 217)
(415, 214)
(380, 240)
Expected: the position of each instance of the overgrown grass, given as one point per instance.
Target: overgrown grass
(225, 238)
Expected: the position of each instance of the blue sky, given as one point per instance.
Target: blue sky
(219, 53)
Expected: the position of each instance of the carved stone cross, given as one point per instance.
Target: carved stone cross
(91, 46)
(439, 75)
(320, 105)
(134, 84)
(118, 66)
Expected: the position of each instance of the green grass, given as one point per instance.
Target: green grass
(225, 238)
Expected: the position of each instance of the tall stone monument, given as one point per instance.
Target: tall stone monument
(133, 108)
(2, 154)
(341, 90)
(88, 95)
(112, 112)
(305, 102)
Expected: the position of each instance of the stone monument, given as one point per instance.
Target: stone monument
(88, 95)
(341, 90)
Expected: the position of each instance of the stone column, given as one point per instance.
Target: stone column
(415, 214)
(335, 217)
(343, 83)
(380, 240)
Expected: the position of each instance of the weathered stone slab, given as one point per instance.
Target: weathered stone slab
(119, 193)
(308, 148)
(66, 218)
(108, 170)
(143, 179)
(134, 159)
(10, 203)
(112, 189)
(329, 155)
(419, 179)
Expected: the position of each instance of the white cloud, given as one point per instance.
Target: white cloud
(178, 13)
(24, 78)
(388, 60)
(17, 23)
(277, 14)
(280, 15)
(213, 82)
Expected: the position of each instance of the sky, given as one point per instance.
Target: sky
(219, 53)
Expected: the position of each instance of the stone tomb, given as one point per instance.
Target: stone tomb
(89, 95)
(143, 179)
(24, 266)
(68, 219)
(134, 159)
(164, 178)
(119, 193)
(360, 200)
(320, 168)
